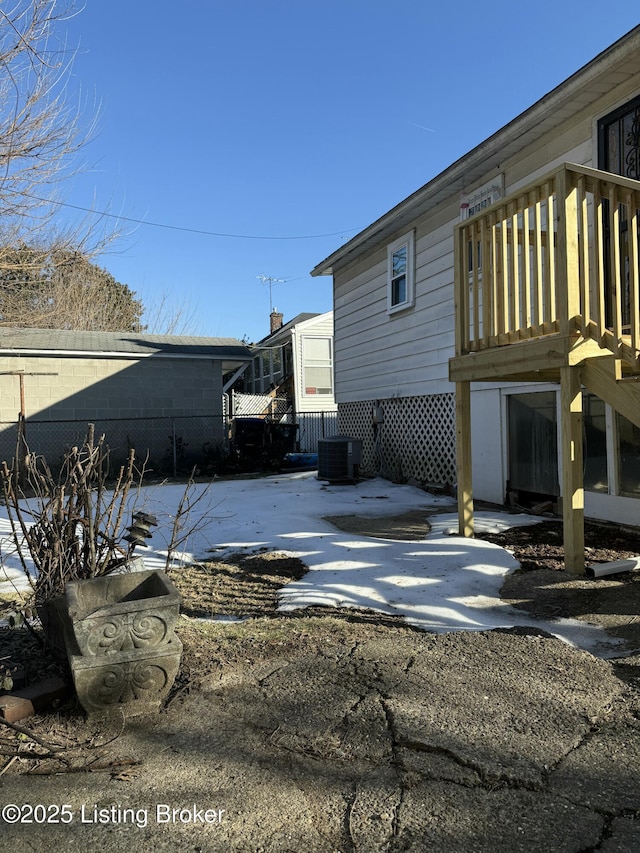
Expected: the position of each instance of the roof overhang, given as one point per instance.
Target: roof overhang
(613, 66)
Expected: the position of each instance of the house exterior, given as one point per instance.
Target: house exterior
(292, 367)
(160, 394)
(487, 327)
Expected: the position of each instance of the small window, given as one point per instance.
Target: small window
(400, 274)
(276, 357)
(594, 431)
(266, 363)
(628, 458)
(256, 376)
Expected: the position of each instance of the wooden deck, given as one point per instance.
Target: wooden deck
(547, 289)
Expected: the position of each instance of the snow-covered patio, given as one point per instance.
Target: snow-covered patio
(440, 583)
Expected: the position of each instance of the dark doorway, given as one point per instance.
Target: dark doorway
(533, 444)
(619, 153)
(619, 141)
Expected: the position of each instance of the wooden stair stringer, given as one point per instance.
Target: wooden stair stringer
(603, 377)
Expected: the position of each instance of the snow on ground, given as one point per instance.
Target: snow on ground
(440, 583)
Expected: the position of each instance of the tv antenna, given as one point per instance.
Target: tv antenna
(267, 279)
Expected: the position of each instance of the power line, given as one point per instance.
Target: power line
(191, 230)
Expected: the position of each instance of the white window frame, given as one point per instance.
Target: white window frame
(408, 241)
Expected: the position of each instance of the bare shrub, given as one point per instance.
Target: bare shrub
(72, 524)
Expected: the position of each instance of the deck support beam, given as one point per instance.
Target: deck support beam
(572, 470)
(463, 459)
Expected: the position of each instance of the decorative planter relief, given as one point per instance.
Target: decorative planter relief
(121, 642)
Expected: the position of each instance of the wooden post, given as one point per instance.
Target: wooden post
(572, 473)
(463, 389)
(568, 272)
(463, 458)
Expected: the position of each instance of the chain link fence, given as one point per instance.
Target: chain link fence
(313, 426)
(172, 446)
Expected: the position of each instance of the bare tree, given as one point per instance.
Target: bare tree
(41, 134)
(41, 131)
(166, 314)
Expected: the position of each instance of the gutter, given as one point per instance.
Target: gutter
(121, 354)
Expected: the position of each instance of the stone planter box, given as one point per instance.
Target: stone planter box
(120, 640)
(123, 612)
(129, 683)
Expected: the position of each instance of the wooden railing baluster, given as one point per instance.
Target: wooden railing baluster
(634, 274)
(553, 258)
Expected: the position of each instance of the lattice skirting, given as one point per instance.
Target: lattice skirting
(416, 441)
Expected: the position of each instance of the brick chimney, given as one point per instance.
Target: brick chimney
(275, 319)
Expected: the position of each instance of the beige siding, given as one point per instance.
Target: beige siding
(80, 388)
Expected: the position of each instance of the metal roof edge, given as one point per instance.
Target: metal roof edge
(227, 354)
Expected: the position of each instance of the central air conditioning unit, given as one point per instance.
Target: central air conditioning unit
(339, 458)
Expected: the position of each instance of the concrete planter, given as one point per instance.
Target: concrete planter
(121, 643)
(125, 683)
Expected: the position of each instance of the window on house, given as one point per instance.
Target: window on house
(400, 273)
(628, 458)
(532, 443)
(256, 382)
(277, 363)
(317, 365)
(595, 444)
(265, 357)
(287, 359)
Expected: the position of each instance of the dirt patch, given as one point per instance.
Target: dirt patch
(545, 590)
(539, 546)
(410, 525)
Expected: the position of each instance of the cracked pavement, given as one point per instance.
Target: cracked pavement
(377, 740)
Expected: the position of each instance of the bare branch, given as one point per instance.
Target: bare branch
(182, 528)
(42, 131)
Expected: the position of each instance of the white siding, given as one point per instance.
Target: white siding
(405, 354)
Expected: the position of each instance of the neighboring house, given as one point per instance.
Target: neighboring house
(292, 368)
(508, 267)
(160, 394)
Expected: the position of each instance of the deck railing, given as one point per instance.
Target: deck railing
(557, 257)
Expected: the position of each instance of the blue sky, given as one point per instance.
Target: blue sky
(293, 119)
